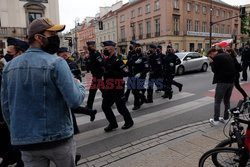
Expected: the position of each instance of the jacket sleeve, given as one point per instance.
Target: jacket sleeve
(72, 91)
(5, 113)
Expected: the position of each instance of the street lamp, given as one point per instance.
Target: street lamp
(211, 24)
(76, 24)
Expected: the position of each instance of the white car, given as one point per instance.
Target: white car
(191, 61)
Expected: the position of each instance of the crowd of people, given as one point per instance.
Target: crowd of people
(42, 90)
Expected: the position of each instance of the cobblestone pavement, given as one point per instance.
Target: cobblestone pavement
(179, 147)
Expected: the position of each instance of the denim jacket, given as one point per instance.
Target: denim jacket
(37, 93)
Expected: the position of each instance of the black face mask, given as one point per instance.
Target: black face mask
(8, 57)
(106, 52)
(138, 51)
(53, 45)
(151, 52)
(90, 49)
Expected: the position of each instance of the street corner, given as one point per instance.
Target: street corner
(236, 95)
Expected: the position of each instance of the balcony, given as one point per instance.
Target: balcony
(141, 36)
(123, 40)
(13, 32)
(148, 35)
(157, 34)
(176, 33)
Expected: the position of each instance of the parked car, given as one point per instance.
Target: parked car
(191, 61)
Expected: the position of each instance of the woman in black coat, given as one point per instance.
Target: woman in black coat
(233, 54)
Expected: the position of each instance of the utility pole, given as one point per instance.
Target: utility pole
(210, 24)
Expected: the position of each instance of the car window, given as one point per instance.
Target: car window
(196, 55)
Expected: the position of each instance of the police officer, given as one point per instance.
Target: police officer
(245, 59)
(8, 153)
(169, 63)
(155, 73)
(177, 84)
(114, 72)
(129, 64)
(139, 69)
(95, 65)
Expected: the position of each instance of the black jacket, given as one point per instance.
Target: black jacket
(245, 55)
(155, 63)
(95, 64)
(170, 60)
(139, 64)
(223, 68)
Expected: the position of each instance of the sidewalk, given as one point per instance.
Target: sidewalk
(180, 147)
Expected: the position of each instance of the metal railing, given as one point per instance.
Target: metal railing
(13, 32)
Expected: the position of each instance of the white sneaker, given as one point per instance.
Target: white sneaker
(224, 121)
(213, 122)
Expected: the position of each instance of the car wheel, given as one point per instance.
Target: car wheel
(204, 67)
(180, 70)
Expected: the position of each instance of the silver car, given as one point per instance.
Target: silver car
(191, 61)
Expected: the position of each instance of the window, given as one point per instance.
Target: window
(176, 22)
(188, 6)
(108, 25)
(157, 5)
(157, 27)
(139, 11)
(217, 12)
(216, 28)
(133, 31)
(32, 16)
(148, 26)
(199, 47)
(148, 8)
(228, 29)
(223, 14)
(123, 34)
(109, 37)
(196, 8)
(191, 47)
(196, 26)
(113, 23)
(228, 14)
(114, 37)
(132, 14)
(222, 28)
(204, 10)
(204, 26)
(176, 4)
(122, 18)
(189, 25)
(140, 26)
(176, 46)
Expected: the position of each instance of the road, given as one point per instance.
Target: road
(193, 104)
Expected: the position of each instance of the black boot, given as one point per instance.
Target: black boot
(128, 125)
(110, 128)
(92, 115)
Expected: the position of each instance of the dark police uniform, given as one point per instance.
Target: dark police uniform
(169, 63)
(9, 153)
(95, 65)
(139, 66)
(245, 61)
(155, 73)
(114, 72)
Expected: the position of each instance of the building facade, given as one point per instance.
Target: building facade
(16, 15)
(183, 23)
(86, 33)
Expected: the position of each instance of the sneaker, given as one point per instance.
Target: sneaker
(213, 122)
(224, 121)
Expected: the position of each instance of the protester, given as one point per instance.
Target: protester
(224, 75)
(238, 67)
(8, 153)
(38, 89)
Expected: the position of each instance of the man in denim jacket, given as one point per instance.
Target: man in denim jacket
(37, 93)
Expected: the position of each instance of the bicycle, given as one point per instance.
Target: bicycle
(220, 155)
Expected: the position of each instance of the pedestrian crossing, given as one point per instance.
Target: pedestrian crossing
(97, 134)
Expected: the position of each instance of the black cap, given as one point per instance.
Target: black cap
(169, 46)
(152, 46)
(18, 43)
(90, 43)
(109, 43)
(62, 49)
(134, 42)
(159, 46)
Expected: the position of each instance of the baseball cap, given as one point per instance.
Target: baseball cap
(43, 24)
